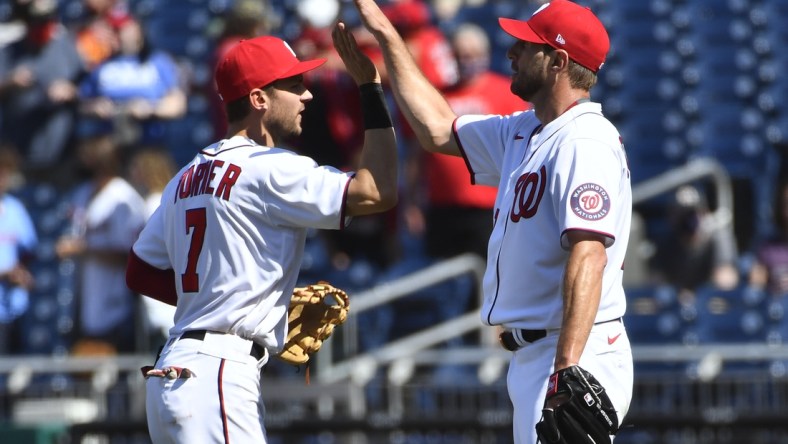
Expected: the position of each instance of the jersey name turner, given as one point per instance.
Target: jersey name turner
(199, 179)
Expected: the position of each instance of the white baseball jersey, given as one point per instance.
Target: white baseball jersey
(571, 174)
(232, 225)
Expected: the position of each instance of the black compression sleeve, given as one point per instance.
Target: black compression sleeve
(373, 107)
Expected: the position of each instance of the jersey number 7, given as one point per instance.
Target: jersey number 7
(195, 222)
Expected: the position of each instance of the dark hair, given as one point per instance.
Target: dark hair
(146, 51)
(238, 109)
(146, 48)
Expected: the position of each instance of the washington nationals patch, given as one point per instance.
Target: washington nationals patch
(590, 201)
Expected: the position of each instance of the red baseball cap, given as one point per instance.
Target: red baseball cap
(255, 63)
(564, 25)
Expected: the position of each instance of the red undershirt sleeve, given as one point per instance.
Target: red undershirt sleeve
(150, 281)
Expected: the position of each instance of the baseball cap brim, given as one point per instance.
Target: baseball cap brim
(302, 67)
(519, 29)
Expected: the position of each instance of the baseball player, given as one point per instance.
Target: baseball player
(562, 213)
(227, 240)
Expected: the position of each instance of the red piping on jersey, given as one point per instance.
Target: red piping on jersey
(144, 278)
(221, 404)
(577, 102)
(462, 151)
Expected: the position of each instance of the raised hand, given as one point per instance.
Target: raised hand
(373, 17)
(358, 65)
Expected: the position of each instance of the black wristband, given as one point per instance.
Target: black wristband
(373, 106)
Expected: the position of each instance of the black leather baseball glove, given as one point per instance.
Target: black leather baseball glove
(577, 410)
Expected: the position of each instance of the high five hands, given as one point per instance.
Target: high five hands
(358, 65)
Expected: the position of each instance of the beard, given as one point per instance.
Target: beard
(526, 87)
(526, 84)
(281, 125)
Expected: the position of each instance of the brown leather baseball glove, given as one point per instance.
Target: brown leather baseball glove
(314, 312)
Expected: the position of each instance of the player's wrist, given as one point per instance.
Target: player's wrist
(373, 106)
(561, 364)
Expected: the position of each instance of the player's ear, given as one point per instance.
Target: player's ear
(560, 60)
(259, 99)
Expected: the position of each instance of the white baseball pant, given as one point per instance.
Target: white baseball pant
(607, 356)
(222, 403)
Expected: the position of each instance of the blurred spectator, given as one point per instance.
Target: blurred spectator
(37, 88)
(639, 251)
(149, 171)
(770, 270)
(12, 30)
(107, 216)
(315, 19)
(17, 241)
(429, 46)
(97, 31)
(134, 91)
(458, 213)
(695, 251)
(244, 19)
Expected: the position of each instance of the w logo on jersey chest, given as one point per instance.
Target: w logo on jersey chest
(528, 192)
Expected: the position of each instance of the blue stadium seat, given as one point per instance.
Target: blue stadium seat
(777, 318)
(777, 130)
(44, 308)
(770, 97)
(38, 339)
(713, 83)
(711, 24)
(639, 10)
(654, 315)
(634, 33)
(731, 316)
(733, 134)
(646, 135)
(776, 12)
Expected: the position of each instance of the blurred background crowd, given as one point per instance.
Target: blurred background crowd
(101, 101)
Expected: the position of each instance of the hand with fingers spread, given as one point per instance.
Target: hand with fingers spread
(373, 17)
(358, 65)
